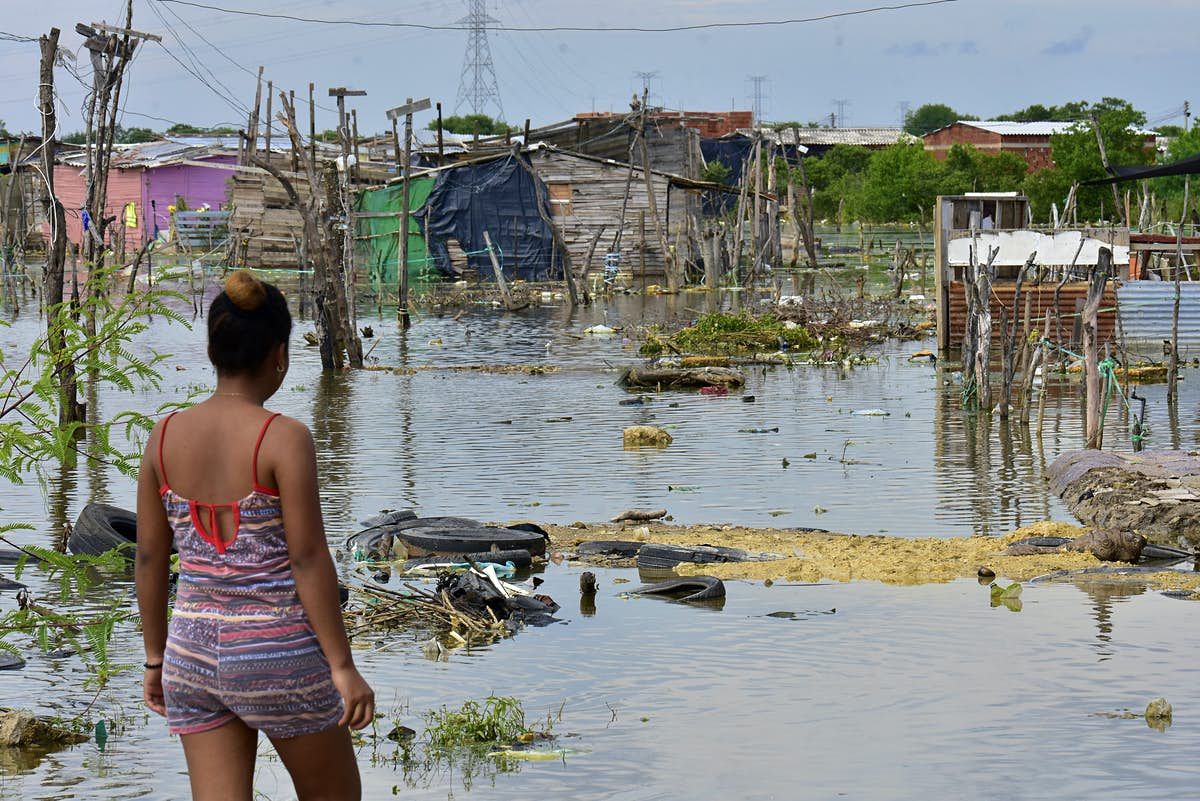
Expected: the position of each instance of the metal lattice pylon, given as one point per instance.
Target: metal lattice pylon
(477, 88)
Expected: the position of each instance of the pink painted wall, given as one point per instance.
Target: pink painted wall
(124, 186)
(140, 185)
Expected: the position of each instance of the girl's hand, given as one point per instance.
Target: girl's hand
(152, 691)
(358, 699)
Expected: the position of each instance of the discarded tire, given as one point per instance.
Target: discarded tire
(689, 589)
(519, 557)
(389, 518)
(10, 556)
(664, 557)
(434, 539)
(101, 528)
(623, 549)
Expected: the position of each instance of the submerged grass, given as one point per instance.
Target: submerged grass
(729, 334)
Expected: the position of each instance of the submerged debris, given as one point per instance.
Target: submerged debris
(648, 436)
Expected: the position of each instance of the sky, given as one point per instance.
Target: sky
(982, 58)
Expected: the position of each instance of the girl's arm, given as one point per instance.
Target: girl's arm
(150, 570)
(316, 578)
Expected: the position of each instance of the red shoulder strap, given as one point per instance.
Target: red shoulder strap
(162, 466)
(257, 445)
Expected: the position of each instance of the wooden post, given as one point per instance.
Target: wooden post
(441, 149)
(312, 124)
(1104, 161)
(354, 138)
(254, 115)
(500, 282)
(295, 152)
(651, 201)
(267, 130)
(1173, 356)
(405, 319)
(1097, 281)
(69, 410)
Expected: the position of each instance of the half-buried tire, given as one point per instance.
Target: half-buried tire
(101, 528)
(428, 540)
(689, 589)
(654, 556)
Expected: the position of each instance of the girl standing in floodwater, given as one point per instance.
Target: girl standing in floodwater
(256, 641)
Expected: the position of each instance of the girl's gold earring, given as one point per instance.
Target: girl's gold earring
(279, 368)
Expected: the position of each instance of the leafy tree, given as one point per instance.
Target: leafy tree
(1077, 155)
(1169, 130)
(716, 172)
(836, 179)
(901, 183)
(184, 129)
(469, 124)
(1044, 187)
(32, 440)
(133, 136)
(76, 138)
(967, 169)
(1074, 110)
(930, 117)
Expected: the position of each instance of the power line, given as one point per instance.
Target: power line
(566, 28)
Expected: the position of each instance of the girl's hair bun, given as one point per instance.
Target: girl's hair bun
(245, 291)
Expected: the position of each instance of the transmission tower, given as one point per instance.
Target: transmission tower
(756, 96)
(839, 121)
(477, 88)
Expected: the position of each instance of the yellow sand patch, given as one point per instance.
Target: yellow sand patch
(811, 557)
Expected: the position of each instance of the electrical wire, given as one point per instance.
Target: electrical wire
(566, 28)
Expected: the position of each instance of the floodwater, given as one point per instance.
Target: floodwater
(913, 692)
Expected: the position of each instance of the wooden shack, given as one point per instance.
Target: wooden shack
(968, 227)
(588, 193)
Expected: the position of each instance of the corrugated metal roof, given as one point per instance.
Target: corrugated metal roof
(1043, 128)
(1147, 307)
(144, 154)
(865, 137)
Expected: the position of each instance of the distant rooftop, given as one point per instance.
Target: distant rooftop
(1043, 128)
(808, 137)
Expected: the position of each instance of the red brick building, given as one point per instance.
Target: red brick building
(1029, 140)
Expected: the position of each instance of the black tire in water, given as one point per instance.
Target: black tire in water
(438, 539)
(689, 589)
(101, 528)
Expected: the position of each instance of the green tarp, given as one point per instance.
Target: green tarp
(376, 236)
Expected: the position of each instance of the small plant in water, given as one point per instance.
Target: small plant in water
(498, 719)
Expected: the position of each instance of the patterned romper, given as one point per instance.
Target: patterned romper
(239, 644)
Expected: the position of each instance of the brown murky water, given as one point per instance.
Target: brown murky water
(902, 692)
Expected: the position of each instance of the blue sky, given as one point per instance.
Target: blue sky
(980, 57)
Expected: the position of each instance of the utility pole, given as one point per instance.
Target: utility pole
(407, 110)
(1187, 113)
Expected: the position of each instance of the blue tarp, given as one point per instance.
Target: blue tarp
(499, 197)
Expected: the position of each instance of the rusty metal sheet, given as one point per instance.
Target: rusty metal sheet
(1062, 330)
